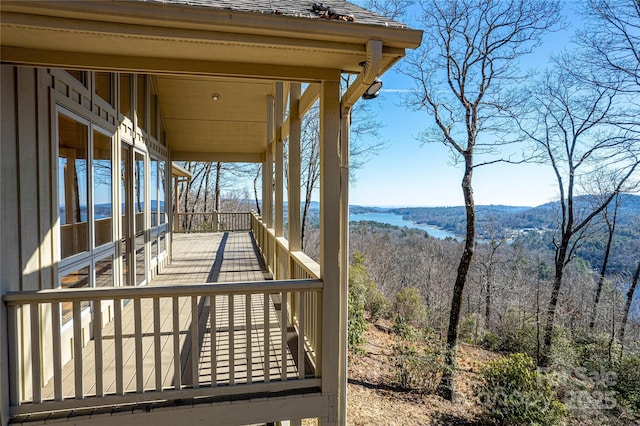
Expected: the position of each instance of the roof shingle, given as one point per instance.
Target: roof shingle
(343, 10)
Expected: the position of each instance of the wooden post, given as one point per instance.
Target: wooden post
(279, 160)
(267, 203)
(330, 243)
(293, 186)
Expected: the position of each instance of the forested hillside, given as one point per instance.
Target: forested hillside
(534, 228)
(403, 277)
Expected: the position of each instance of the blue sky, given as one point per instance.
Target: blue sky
(407, 173)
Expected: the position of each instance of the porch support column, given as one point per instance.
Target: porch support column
(267, 172)
(279, 160)
(293, 186)
(330, 259)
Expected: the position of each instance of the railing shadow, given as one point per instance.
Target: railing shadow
(216, 268)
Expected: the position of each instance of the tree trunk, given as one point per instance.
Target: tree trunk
(611, 228)
(627, 306)
(487, 304)
(255, 187)
(446, 387)
(561, 255)
(216, 207)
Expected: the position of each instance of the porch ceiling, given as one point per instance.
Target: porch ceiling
(233, 128)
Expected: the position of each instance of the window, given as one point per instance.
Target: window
(141, 101)
(161, 190)
(163, 243)
(102, 188)
(72, 185)
(153, 182)
(104, 272)
(85, 195)
(75, 279)
(125, 95)
(81, 76)
(153, 116)
(125, 196)
(104, 86)
(139, 208)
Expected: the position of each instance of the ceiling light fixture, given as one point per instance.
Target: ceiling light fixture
(215, 97)
(372, 91)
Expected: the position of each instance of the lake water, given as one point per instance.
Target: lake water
(397, 220)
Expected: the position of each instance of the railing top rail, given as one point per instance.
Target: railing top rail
(182, 290)
(214, 212)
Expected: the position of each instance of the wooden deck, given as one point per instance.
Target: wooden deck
(240, 354)
(219, 257)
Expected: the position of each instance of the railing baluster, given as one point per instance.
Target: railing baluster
(97, 339)
(57, 351)
(157, 343)
(36, 372)
(117, 325)
(195, 351)
(267, 325)
(213, 332)
(177, 368)
(137, 320)
(77, 349)
(301, 333)
(248, 327)
(15, 364)
(283, 335)
(232, 341)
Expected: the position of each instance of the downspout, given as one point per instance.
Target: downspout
(370, 71)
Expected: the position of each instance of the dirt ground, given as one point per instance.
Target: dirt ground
(374, 400)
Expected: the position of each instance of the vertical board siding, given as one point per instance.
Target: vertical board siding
(9, 181)
(28, 178)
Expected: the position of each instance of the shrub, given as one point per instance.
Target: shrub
(419, 361)
(592, 349)
(627, 384)
(518, 333)
(491, 341)
(514, 393)
(375, 303)
(358, 281)
(403, 330)
(409, 306)
(563, 356)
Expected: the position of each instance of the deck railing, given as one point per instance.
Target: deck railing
(161, 343)
(285, 264)
(211, 222)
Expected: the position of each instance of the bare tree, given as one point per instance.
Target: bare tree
(365, 142)
(392, 9)
(462, 72)
(610, 219)
(612, 38)
(627, 305)
(257, 172)
(570, 124)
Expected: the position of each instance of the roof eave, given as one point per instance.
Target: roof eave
(214, 19)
